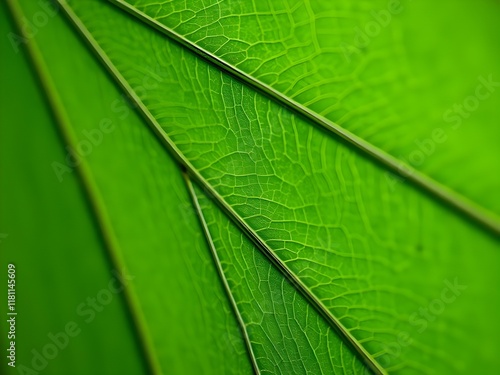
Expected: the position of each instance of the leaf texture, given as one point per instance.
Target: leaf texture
(307, 256)
(287, 335)
(363, 66)
(180, 283)
(322, 211)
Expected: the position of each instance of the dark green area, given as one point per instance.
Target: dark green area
(52, 240)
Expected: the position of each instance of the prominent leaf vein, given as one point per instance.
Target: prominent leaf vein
(369, 361)
(464, 205)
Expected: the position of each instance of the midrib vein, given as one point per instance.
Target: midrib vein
(222, 276)
(466, 206)
(89, 188)
(166, 141)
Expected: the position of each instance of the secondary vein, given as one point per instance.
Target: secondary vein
(166, 141)
(220, 271)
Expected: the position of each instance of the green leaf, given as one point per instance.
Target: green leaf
(47, 232)
(365, 66)
(320, 209)
(287, 335)
(309, 257)
(177, 302)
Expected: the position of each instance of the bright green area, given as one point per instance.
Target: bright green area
(287, 334)
(142, 193)
(50, 236)
(377, 258)
(391, 72)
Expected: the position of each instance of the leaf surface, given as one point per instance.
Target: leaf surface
(47, 231)
(317, 207)
(307, 244)
(286, 333)
(178, 301)
(406, 93)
